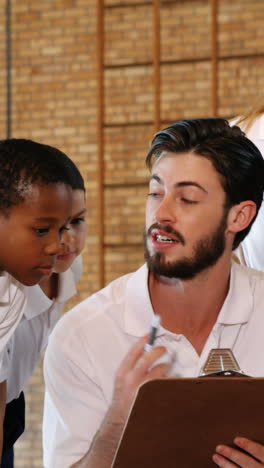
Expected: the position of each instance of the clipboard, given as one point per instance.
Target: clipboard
(177, 422)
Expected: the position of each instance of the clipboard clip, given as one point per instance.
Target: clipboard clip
(221, 362)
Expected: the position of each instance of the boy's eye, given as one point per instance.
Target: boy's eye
(153, 194)
(77, 221)
(62, 229)
(41, 231)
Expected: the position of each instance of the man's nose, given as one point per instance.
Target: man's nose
(166, 211)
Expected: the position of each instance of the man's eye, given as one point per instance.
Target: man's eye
(190, 202)
(77, 221)
(41, 231)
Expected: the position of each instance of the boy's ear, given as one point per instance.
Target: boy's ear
(240, 216)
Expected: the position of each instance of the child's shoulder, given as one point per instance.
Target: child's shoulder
(10, 287)
(12, 306)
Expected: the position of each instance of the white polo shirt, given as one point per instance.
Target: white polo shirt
(89, 343)
(31, 335)
(12, 306)
(251, 250)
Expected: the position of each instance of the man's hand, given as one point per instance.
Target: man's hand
(137, 367)
(227, 457)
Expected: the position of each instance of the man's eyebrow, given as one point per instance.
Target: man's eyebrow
(157, 178)
(187, 183)
(184, 183)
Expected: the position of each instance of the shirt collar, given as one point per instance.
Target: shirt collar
(38, 302)
(236, 309)
(6, 280)
(239, 300)
(138, 308)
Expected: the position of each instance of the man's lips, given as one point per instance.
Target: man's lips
(159, 235)
(164, 237)
(161, 240)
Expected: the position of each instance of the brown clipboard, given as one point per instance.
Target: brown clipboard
(177, 422)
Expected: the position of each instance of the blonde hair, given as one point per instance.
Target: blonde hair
(246, 121)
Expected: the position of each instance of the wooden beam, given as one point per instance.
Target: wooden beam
(100, 141)
(156, 63)
(8, 67)
(214, 57)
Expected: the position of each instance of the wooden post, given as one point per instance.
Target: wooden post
(214, 57)
(156, 63)
(8, 67)
(100, 141)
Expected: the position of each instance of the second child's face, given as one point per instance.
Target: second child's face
(30, 236)
(73, 239)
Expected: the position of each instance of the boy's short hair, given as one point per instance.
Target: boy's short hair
(25, 162)
(236, 159)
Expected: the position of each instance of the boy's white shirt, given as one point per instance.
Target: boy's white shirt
(30, 336)
(12, 307)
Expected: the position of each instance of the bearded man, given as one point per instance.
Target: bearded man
(205, 189)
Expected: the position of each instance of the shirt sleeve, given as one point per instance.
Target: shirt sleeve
(12, 305)
(4, 364)
(74, 404)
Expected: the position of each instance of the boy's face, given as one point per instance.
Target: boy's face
(73, 239)
(30, 235)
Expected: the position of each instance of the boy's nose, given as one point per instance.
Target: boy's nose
(54, 247)
(67, 239)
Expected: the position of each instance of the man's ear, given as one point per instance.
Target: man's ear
(240, 216)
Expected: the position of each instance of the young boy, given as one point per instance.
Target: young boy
(35, 207)
(44, 305)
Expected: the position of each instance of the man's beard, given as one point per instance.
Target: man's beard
(206, 252)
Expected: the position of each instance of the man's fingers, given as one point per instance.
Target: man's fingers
(222, 462)
(158, 371)
(139, 366)
(138, 360)
(229, 457)
(147, 361)
(132, 356)
(255, 449)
